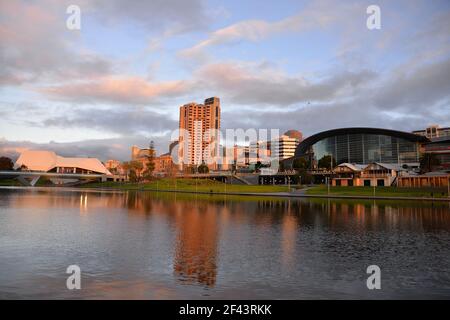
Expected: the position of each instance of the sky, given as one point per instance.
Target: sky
(306, 65)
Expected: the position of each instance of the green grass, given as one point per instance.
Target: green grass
(379, 191)
(9, 182)
(193, 185)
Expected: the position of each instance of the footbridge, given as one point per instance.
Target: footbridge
(30, 178)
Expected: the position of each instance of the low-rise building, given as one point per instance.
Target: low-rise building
(433, 131)
(430, 179)
(164, 164)
(374, 174)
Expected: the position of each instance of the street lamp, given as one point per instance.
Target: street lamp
(448, 186)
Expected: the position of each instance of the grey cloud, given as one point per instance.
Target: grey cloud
(119, 121)
(314, 118)
(242, 85)
(103, 149)
(416, 90)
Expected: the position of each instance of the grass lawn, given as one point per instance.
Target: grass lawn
(203, 185)
(9, 182)
(380, 191)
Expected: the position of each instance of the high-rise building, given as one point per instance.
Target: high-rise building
(199, 133)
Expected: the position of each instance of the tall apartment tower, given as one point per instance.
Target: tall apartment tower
(199, 127)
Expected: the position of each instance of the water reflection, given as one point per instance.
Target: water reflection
(196, 245)
(249, 247)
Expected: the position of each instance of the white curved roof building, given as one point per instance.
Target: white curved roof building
(48, 161)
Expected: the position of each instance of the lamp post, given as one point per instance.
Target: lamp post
(448, 186)
(328, 185)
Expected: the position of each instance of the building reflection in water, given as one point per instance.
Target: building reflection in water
(196, 245)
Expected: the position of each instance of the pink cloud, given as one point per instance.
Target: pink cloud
(132, 90)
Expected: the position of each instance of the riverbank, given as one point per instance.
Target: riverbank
(214, 187)
(378, 192)
(189, 185)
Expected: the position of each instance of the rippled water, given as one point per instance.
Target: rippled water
(170, 246)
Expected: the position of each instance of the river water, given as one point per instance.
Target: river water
(143, 245)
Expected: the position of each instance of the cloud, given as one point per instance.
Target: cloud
(417, 90)
(319, 14)
(35, 45)
(403, 99)
(128, 90)
(255, 84)
(170, 16)
(123, 121)
(103, 149)
(315, 118)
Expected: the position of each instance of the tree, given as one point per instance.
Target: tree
(22, 168)
(133, 169)
(281, 166)
(133, 176)
(428, 161)
(6, 163)
(203, 168)
(300, 164)
(304, 177)
(150, 165)
(327, 162)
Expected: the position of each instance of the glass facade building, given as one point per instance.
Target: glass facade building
(362, 146)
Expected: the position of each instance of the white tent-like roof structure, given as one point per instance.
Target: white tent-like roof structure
(39, 160)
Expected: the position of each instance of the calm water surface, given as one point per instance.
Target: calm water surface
(174, 246)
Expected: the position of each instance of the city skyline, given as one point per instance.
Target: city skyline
(309, 66)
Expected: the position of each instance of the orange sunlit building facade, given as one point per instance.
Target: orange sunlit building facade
(199, 134)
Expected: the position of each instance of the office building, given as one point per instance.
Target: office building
(284, 147)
